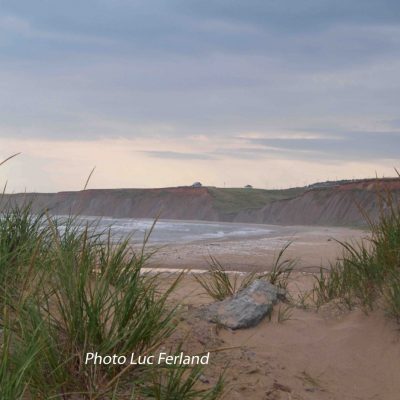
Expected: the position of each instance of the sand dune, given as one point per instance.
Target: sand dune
(325, 355)
(329, 354)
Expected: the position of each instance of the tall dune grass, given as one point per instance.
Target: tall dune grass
(66, 290)
(369, 271)
(219, 283)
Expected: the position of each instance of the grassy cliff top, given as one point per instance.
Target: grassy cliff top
(231, 200)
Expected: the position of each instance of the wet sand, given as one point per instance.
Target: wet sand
(311, 246)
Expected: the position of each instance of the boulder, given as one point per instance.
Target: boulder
(247, 307)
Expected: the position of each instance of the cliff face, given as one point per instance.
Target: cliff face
(338, 205)
(325, 207)
(168, 203)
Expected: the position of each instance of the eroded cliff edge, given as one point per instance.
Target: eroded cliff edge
(334, 205)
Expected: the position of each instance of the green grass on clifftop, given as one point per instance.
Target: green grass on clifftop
(233, 200)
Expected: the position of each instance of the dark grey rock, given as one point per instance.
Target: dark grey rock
(247, 307)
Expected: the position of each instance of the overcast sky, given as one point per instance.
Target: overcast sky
(273, 93)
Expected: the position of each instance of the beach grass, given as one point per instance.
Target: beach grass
(219, 283)
(67, 290)
(368, 273)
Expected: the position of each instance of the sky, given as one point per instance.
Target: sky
(272, 93)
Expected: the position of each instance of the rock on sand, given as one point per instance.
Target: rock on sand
(246, 308)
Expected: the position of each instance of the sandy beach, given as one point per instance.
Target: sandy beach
(312, 246)
(325, 354)
(329, 354)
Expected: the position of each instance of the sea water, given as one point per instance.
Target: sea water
(169, 231)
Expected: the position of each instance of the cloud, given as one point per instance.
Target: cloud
(294, 16)
(348, 146)
(173, 155)
(393, 123)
